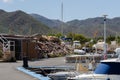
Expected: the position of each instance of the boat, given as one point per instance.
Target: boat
(62, 75)
(107, 70)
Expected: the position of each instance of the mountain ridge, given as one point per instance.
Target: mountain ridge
(90, 26)
(20, 22)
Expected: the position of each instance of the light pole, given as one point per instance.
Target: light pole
(105, 46)
(62, 18)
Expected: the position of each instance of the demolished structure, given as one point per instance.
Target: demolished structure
(34, 47)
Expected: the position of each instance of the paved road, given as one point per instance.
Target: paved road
(8, 71)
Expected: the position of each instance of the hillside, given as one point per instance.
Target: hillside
(19, 22)
(95, 25)
(48, 22)
(88, 27)
(55, 25)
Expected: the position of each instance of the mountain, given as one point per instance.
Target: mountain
(49, 22)
(92, 26)
(19, 22)
(52, 23)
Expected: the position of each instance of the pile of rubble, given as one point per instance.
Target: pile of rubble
(52, 47)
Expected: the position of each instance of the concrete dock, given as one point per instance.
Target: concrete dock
(8, 70)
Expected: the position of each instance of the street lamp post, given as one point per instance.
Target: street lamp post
(105, 46)
(62, 18)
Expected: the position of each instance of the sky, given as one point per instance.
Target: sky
(72, 9)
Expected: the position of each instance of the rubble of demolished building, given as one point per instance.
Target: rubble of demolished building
(51, 46)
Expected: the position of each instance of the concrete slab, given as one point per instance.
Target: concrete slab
(8, 71)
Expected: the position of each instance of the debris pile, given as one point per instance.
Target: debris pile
(51, 46)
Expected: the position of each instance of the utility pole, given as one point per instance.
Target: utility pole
(105, 46)
(62, 18)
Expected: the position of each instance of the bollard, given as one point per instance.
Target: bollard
(25, 62)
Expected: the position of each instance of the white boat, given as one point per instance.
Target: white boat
(62, 75)
(106, 70)
(81, 52)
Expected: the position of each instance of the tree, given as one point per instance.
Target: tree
(110, 38)
(57, 34)
(71, 35)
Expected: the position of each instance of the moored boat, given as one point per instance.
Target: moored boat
(106, 70)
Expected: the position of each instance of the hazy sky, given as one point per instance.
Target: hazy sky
(73, 9)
